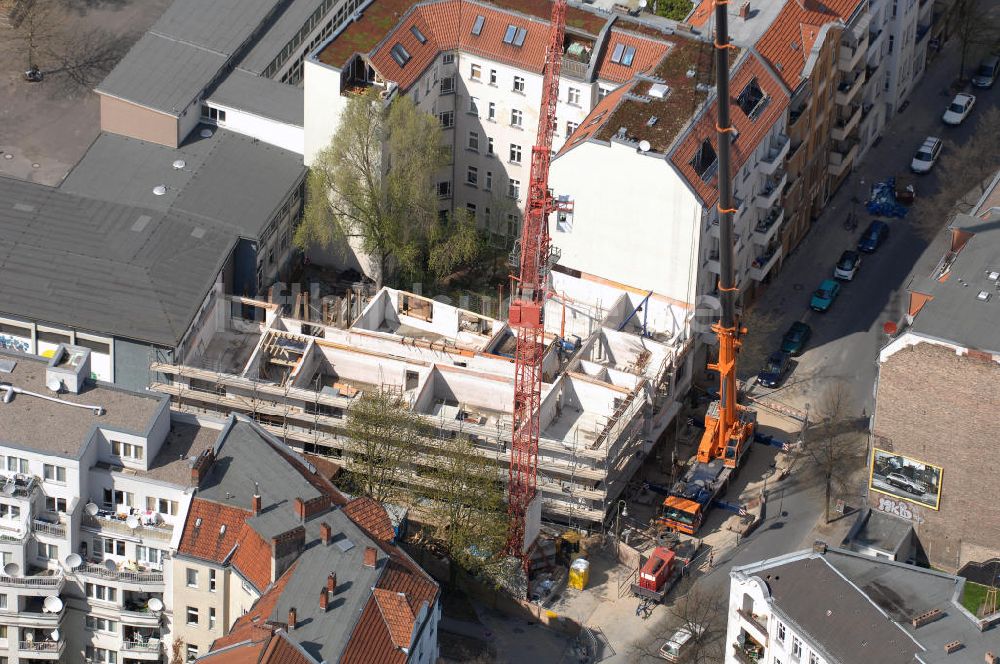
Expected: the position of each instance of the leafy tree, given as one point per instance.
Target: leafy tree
(454, 243)
(673, 9)
(373, 184)
(385, 434)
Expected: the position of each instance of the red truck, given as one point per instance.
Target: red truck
(663, 569)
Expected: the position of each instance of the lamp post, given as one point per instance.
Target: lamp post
(622, 511)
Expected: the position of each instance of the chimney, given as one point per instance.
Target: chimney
(201, 466)
(291, 619)
(369, 556)
(323, 600)
(745, 11)
(255, 504)
(331, 583)
(300, 509)
(325, 533)
(819, 546)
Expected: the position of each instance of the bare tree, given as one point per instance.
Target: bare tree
(34, 27)
(977, 29)
(834, 443)
(86, 57)
(703, 614)
(177, 652)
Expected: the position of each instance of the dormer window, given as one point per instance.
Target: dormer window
(400, 55)
(752, 100)
(704, 160)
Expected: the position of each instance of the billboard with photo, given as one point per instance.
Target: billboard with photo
(905, 478)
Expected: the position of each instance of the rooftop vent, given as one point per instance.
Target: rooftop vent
(141, 223)
(159, 190)
(651, 121)
(179, 164)
(926, 617)
(197, 522)
(344, 544)
(69, 368)
(691, 73)
(198, 233)
(983, 296)
(952, 647)
(992, 275)
(658, 90)
(206, 133)
(703, 87)
(7, 366)
(222, 530)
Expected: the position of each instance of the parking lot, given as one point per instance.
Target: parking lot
(46, 127)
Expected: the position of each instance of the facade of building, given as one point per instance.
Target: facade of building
(931, 383)
(856, 609)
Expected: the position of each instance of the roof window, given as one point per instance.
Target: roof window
(623, 54)
(704, 160)
(419, 35)
(752, 100)
(477, 27)
(400, 55)
(514, 35)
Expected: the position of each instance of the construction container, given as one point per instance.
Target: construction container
(579, 573)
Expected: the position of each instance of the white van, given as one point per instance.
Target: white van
(679, 644)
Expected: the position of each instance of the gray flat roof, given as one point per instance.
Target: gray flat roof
(48, 427)
(263, 52)
(183, 444)
(882, 531)
(955, 313)
(262, 96)
(110, 268)
(228, 178)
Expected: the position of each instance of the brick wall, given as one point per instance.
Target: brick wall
(941, 408)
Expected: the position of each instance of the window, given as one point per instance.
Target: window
(519, 84)
(147, 554)
(471, 209)
(400, 55)
(813, 658)
(474, 140)
(489, 181)
(161, 505)
(101, 655)
(55, 504)
(623, 55)
(444, 189)
(448, 58)
(9, 511)
(602, 92)
(487, 215)
(516, 118)
(492, 112)
(3, 601)
(892, 41)
(415, 31)
(102, 593)
(211, 618)
(114, 498)
(472, 176)
(515, 154)
(573, 96)
(493, 77)
(571, 127)
(211, 580)
(112, 546)
(192, 652)
(476, 72)
(215, 114)
(514, 189)
(752, 100)
(796, 648)
(54, 473)
(126, 450)
(616, 55)
(564, 218)
(102, 624)
(477, 26)
(447, 119)
(629, 55)
(781, 632)
(48, 551)
(473, 106)
(489, 146)
(17, 465)
(510, 34)
(447, 85)
(192, 615)
(704, 160)
(192, 578)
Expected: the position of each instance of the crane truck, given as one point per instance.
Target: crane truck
(729, 426)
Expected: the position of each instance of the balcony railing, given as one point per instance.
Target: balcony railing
(575, 68)
(746, 656)
(845, 124)
(754, 620)
(150, 645)
(41, 646)
(92, 569)
(762, 265)
(57, 529)
(116, 525)
(36, 581)
(776, 155)
(848, 89)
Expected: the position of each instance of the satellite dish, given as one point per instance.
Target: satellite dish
(644, 146)
(55, 632)
(53, 604)
(206, 133)
(110, 565)
(179, 164)
(154, 604)
(642, 4)
(159, 190)
(74, 560)
(91, 509)
(133, 522)
(54, 384)
(11, 569)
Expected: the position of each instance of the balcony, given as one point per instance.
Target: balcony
(141, 643)
(875, 40)
(755, 622)
(17, 485)
(763, 264)
(776, 155)
(842, 157)
(41, 649)
(795, 114)
(922, 31)
(138, 576)
(767, 196)
(111, 522)
(768, 227)
(575, 68)
(846, 123)
(49, 528)
(848, 89)
(713, 263)
(135, 609)
(47, 580)
(747, 655)
(850, 56)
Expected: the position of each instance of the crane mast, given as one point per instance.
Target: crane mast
(534, 258)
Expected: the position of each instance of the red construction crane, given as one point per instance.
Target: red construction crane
(534, 260)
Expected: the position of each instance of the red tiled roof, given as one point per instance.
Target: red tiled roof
(205, 541)
(703, 13)
(647, 53)
(249, 653)
(595, 120)
(253, 558)
(251, 625)
(281, 650)
(371, 517)
(751, 131)
(786, 44)
(371, 642)
(397, 614)
(265, 647)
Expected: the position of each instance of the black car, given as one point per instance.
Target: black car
(795, 339)
(873, 237)
(774, 370)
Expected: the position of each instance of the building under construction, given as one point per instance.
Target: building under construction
(614, 375)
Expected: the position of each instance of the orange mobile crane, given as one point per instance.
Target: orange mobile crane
(729, 427)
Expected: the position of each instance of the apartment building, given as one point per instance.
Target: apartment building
(932, 377)
(829, 605)
(614, 375)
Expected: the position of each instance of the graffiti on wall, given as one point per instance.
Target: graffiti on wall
(14, 343)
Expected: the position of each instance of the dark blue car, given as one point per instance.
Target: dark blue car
(873, 237)
(774, 370)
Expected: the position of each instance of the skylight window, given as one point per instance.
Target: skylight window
(704, 160)
(400, 55)
(519, 37)
(419, 35)
(508, 37)
(616, 57)
(477, 27)
(752, 100)
(629, 55)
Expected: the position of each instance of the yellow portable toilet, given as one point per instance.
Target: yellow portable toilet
(579, 573)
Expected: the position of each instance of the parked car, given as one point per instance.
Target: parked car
(928, 153)
(873, 237)
(824, 296)
(794, 341)
(847, 266)
(906, 484)
(679, 645)
(958, 109)
(987, 72)
(774, 370)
